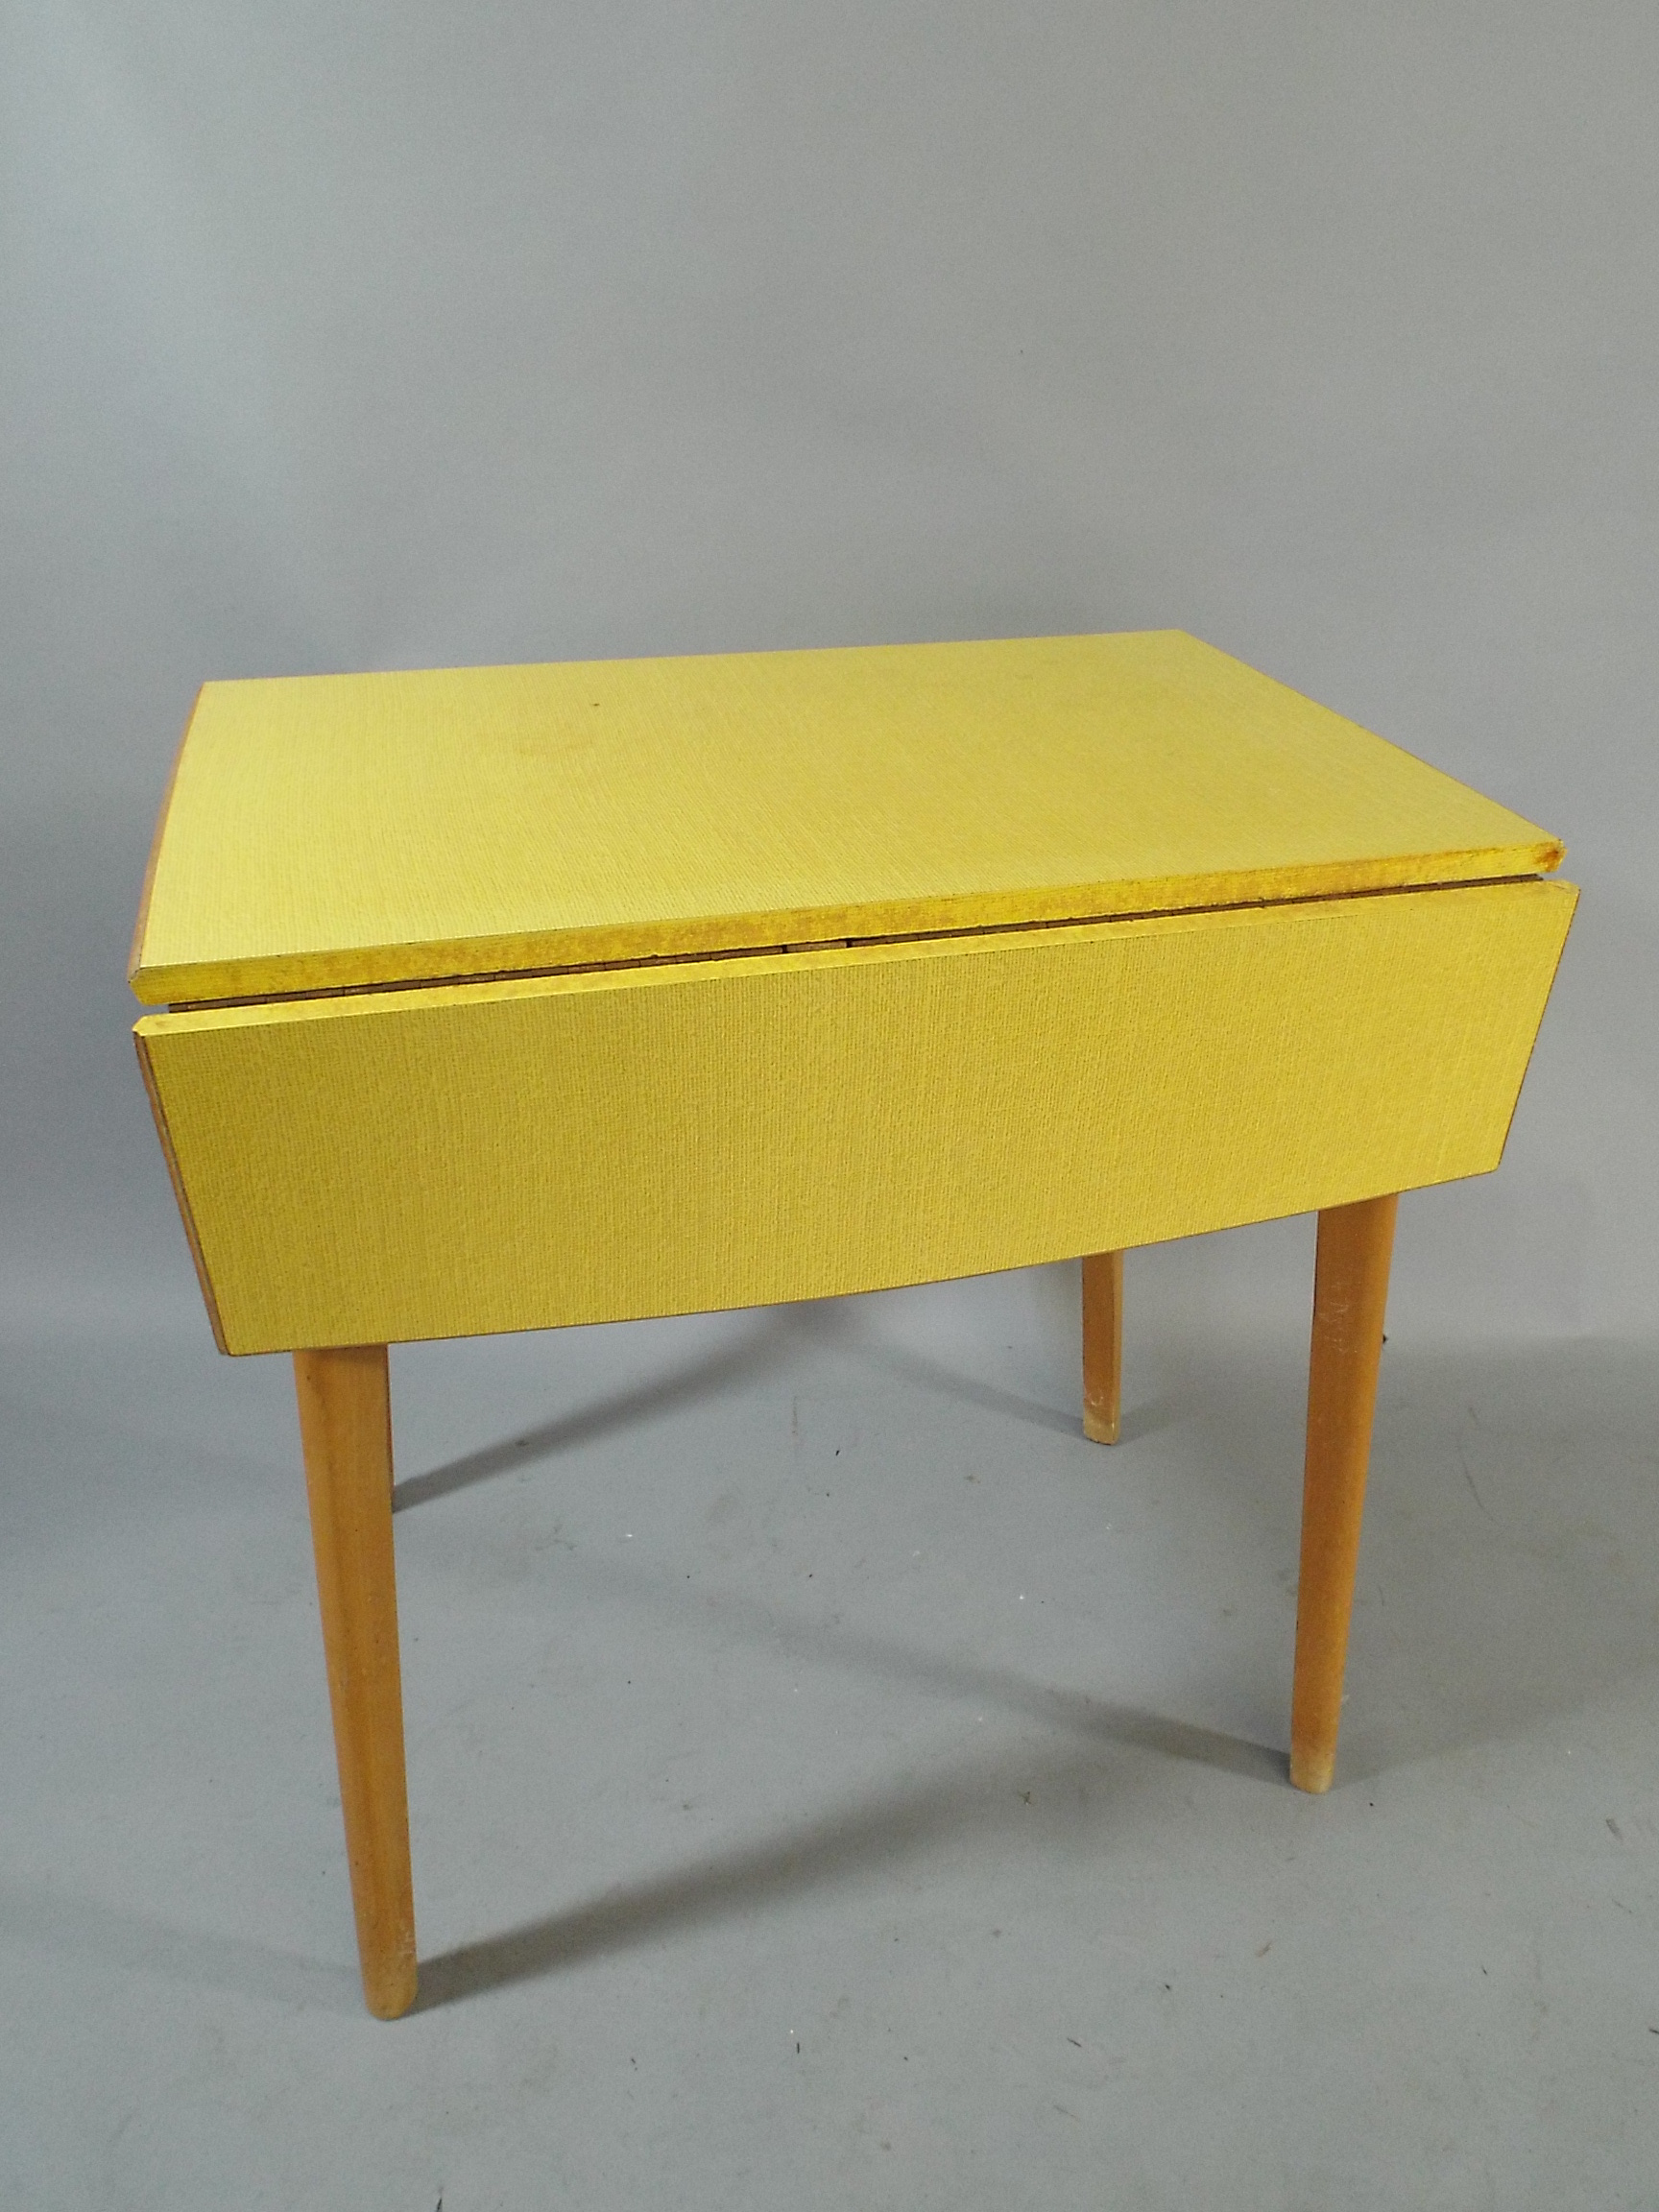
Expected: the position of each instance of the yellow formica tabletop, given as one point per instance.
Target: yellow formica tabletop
(500, 999)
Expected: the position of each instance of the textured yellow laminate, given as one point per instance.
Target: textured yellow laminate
(513, 1155)
(335, 830)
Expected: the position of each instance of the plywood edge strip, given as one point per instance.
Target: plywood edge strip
(664, 973)
(170, 1155)
(135, 970)
(1571, 890)
(480, 959)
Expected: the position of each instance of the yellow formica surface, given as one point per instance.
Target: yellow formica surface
(677, 1139)
(511, 998)
(336, 830)
(684, 1116)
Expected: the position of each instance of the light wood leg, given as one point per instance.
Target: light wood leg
(345, 1428)
(1350, 1293)
(1102, 1345)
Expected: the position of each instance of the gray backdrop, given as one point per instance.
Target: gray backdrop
(400, 336)
(358, 335)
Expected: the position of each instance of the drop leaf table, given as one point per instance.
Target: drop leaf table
(504, 999)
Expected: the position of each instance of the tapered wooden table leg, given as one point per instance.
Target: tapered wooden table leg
(346, 1427)
(1102, 1345)
(1349, 1294)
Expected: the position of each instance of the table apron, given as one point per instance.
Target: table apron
(541, 1151)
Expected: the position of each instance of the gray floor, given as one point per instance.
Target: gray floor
(834, 1783)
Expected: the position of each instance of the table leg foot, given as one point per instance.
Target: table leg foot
(1350, 1293)
(1102, 1346)
(345, 1428)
